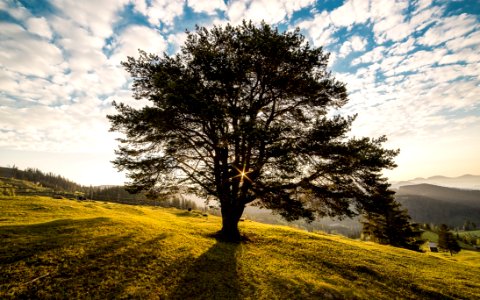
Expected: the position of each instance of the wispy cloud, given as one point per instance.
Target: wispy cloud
(411, 67)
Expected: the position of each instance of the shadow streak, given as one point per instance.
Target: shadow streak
(213, 275)
(25, 241)
(66, 259)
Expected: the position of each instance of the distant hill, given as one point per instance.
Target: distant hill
(467, 181)
(457, 196)
(427, 203)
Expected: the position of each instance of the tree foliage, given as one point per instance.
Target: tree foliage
(446, 240)
(242, 114)
(387, 223)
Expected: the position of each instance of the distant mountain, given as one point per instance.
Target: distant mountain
(467, 181)
(427, 203)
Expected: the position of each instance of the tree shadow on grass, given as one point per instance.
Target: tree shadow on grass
(119, 267)
(68, 259)
(390, 284)
(213, 275)
(21, 242)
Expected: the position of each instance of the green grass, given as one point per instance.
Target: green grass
(430, 235)
(433, 237)
(9, 185)
(475, 233)
(70, 249)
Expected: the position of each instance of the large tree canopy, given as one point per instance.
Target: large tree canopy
(243, 114)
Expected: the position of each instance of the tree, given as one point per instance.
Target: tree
(469, 225)
(447, 241)
(387, 223)
(241, 114)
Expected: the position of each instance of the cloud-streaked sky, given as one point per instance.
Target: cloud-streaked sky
(412, 70)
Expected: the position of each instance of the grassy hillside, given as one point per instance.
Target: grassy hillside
(13, 186)
(67, 249)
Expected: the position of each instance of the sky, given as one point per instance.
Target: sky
(412, 70)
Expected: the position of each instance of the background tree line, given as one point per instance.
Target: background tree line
(49, 184)
(48, 180)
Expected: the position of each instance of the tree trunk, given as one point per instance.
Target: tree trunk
(230, 217)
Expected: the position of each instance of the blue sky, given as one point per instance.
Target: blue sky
(412, 69)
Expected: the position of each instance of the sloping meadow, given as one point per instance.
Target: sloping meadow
(52, 248)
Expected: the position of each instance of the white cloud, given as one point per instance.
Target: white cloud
(39, 26)
(292, 6)
(420, 5)
(83, 50)
(270, 11)
(177, 40)
(95, 16)
(387, 17)
(266, 10)
(16, 45)
(319, 29)
(160, 11)
(63, 129)
(236, 11)
(138, 37)
(354, 44)
(448, 29)
(413, 104)
(391, 63)
(9, 81)
(421, 18)
(358, 43)
(396, 33)
(471, 41)
(16, 11)
(389, 20)
(207, 6)
(403, 47)
(463, 56)
(420, 85)
(351, 12)
(57, 87)
(416, 61)
(376, 54)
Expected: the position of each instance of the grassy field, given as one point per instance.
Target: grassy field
(71, 249)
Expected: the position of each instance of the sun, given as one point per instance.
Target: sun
(243, 173)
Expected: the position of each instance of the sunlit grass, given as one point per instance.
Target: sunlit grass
(67, 249)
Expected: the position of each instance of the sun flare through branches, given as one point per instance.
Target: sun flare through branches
(243, 173)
